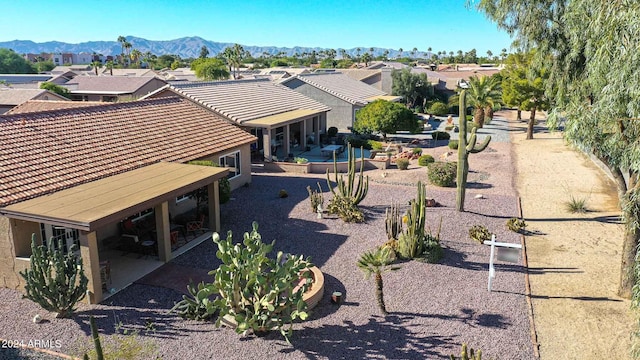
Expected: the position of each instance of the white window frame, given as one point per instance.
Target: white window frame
(142, 214)
(237, 168)
(182, 198)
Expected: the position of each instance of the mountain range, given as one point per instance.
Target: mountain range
(185, 47)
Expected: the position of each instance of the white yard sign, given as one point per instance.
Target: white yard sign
(510, 253)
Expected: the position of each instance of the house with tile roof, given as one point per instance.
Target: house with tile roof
(279, 117)
(10, 98)
(49, 105)
(112, 88)
(76, 173)
(340, 92)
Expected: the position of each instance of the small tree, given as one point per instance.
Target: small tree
(376, 263)
(60, 90)
(414, 88)
(384, 117)
(55, 280)
(210, 69)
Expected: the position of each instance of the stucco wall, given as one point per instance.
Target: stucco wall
(10, 264)
(342, 112)
(245, 165)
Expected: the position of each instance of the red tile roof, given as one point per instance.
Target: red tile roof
(44, 152)
(48, 105)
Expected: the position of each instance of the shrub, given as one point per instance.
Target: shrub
(471, 125)
(442, 173)
(402, 163)
(453, 144)
(469, 117)
(55, 280)
(277, 302)
(374, 145)
(416, 151)
(448, 127)
(418, 109)
(196, 306)
(425, 160)
(359, 142)
(301, 160)
(576, 205)
(479, 233)
(516, 225)
(439, 108)
(283, 194)
(440, 135)
(332, 131)
(346, 209)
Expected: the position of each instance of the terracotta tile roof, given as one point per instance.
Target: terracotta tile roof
(340, 85)
(48, 105)
(245, 100)
(9, 96)
(111, 84)
(44, 152)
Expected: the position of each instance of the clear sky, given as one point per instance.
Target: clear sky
(444, 25)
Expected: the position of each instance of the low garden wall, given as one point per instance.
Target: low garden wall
(322, 167)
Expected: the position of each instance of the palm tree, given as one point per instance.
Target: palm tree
(109, 66)
(483, 93)
(96, 65)
(358, 54)
(135, 55)
(489, 54)
(413, 52)
(343, 53)
(400, 51)
(122, 40)
(366, 57)
(376, 263)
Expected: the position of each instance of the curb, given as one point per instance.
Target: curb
(527, 285)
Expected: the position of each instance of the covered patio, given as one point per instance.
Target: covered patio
(98, 205)
(288, 132)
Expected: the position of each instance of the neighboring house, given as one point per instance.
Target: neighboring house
(279, 73)
(387, 64)
(24, 81)
(10, 98)
(179, 74)
(279, 117)
(378, 78)
(49, 105)
(344, 95)
(111, 88)
(75, 174)
(103, 71)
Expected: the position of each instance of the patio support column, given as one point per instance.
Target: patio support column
(303, 134)
(266, 144)
(316, 130)
(91, 265)
(286, 142)
(214, 206)
(163, 231)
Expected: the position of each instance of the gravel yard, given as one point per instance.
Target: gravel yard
(433, 307)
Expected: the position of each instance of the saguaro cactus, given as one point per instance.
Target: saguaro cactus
(465, 147)
(346, 188)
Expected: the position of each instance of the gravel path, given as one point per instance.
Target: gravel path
(433, 307)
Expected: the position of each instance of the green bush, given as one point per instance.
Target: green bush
(442, 173)
(425, 160)
(479, 233)
(516, 225)
(345, 208)
(440, 135)
(416, 151)
(418, 109)
(332, 131)
(469, 117)
(402, 163)
(453, 144)
(374, 145)
(273, 304)
(359, 142)
(439, 108)
(471, 125)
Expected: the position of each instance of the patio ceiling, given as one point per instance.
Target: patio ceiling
(95, 204)
(281, 119)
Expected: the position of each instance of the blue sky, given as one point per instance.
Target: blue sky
(444, 25)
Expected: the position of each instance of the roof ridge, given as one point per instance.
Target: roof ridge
(104, 106)
(187, 84)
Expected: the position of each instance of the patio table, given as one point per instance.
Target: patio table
(330, 149)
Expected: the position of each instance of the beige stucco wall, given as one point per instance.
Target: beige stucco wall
(15, 249)
(245, 165)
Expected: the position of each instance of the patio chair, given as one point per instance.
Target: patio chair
(196, 226)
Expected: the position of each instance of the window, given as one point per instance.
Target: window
(232, 162)
(141, 215)
(182, 198)
(52, 234)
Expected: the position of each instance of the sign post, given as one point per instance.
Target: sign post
(506, 252)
